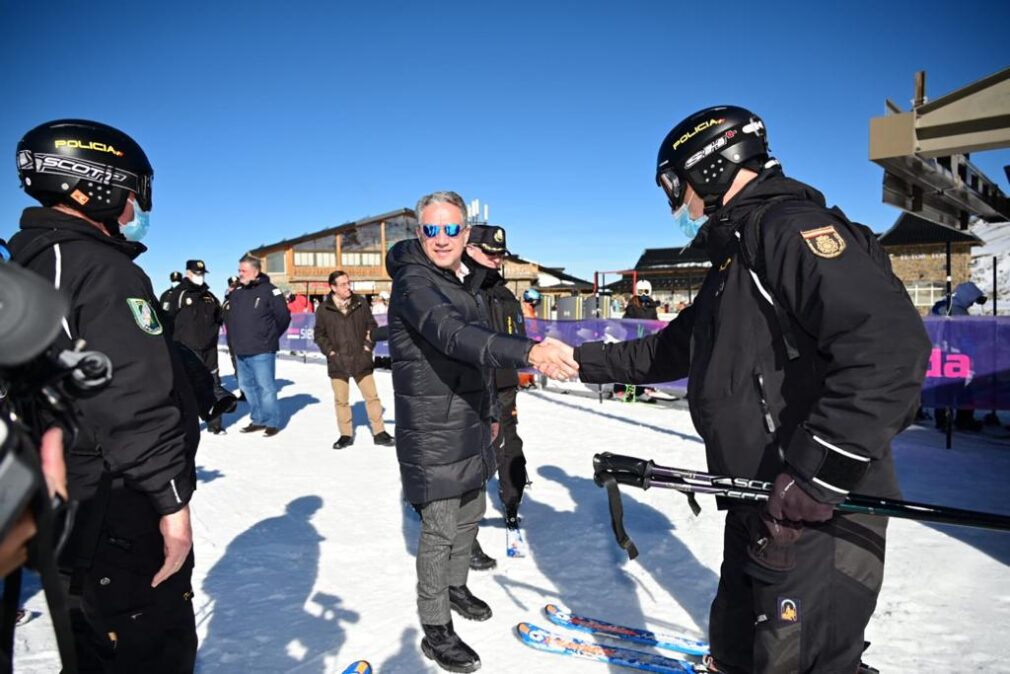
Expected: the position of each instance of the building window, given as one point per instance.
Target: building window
(326, 259)
(926, 293)
(308, 259)
(360, 259)
(275, 263)
(304, 259)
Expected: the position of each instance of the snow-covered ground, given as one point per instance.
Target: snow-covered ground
(305, 555)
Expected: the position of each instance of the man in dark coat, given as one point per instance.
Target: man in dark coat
(805, 358)
(345, 332)
(443, 351)
(256, 316)
(485, 255)
(193, 319)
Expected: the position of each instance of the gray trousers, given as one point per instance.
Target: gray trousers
(448, 528)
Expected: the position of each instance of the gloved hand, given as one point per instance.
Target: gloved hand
(790, 503)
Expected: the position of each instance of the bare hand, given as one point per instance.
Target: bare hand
(14, 548)
(495, 428)
(555, 359)
(177, 532)
(54, 468)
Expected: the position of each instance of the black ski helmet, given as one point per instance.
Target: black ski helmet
(88, 166)
(706, 151)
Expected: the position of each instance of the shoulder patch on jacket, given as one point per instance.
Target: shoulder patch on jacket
(824, 241)
(277, 291)
(144, 316)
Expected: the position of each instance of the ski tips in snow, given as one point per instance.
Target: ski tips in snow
(359, 667)
(551, 642)
(682, 643)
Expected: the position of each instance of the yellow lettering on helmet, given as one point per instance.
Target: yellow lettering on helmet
(89, 145)
(701, 127)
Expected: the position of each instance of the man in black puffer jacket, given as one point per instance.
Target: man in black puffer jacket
(443, 354)
(805, 357)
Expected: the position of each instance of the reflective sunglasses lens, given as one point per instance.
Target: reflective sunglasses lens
(431, 231)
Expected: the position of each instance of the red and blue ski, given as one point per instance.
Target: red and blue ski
(551, 642)
(679, 643)
(359, 667)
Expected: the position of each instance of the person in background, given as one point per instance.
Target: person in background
(256, 317)
(485, 257)
(642, 306)
(193, 318)
(298, 303)
(965, 296)
(345, 333)
(379, 303)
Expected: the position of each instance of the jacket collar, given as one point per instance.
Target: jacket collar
(37, 220)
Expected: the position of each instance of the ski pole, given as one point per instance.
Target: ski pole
(609, 470)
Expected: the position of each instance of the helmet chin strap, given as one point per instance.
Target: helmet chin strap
(713, 202)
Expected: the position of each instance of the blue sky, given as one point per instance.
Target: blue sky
(266, 120)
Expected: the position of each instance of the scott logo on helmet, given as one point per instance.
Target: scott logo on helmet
(89, 145)
(701, 127)
(79, 168)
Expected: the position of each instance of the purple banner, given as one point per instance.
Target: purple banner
(969, 365)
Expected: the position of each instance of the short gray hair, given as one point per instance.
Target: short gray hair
(251, 260)
(445, 197)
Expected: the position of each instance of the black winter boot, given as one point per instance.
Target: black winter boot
(462, 601)
(443, 645)
(479, 560)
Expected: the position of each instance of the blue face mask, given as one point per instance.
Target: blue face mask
(688, 225)
(136, 229)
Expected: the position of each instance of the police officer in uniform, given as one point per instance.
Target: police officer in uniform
(193, 316)
(805, 358)
(129, 562)
(485, 254)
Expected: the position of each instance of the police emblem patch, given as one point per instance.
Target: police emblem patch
(824, 241)
(144, 316)
(498, 236)
(789, 610)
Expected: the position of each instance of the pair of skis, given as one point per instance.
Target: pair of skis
(685, 653)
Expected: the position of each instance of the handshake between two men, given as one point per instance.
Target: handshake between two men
(555, 359)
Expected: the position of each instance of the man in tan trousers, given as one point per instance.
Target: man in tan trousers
(345, 331)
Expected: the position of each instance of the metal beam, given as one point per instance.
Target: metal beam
(923, 151)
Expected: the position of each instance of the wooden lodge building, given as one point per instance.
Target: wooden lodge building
(302, 264)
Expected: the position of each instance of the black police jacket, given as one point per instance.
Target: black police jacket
(349, 337)
(193, 315)
(442, 351)
(802, 347)
(256, 317)
(505, 311)
(141, 426)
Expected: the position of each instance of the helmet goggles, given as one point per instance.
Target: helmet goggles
(672, 185)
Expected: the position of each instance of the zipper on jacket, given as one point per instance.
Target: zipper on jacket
(256, 304)
(769, 421)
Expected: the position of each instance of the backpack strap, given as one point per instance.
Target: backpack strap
(751, 257)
